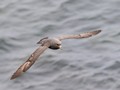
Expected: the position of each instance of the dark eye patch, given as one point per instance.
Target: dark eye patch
(58, 44)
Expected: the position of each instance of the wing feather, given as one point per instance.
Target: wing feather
(31, 60)
(79, 36)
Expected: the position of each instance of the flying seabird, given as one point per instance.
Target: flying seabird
(52, 43)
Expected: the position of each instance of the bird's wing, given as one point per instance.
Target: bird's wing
(31, 60)
(79, 36)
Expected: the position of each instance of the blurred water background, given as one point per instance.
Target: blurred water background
(86, 64)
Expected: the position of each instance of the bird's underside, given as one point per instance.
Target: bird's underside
(54, 43)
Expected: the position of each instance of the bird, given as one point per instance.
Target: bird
(52, 43)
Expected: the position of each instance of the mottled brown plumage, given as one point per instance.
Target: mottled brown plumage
(54, 43)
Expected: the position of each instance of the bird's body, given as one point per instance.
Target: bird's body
(52, 43)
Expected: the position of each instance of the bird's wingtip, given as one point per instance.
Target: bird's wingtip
(96, 32)
(13, 77)
(99, 31)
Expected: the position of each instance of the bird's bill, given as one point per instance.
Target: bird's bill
(60, 47)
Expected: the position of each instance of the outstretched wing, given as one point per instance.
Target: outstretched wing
(79, 36)
(31, 60)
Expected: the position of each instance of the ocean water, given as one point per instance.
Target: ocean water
(86, 64)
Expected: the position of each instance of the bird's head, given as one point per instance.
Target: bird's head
(55, 44)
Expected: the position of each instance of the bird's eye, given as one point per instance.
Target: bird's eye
(58, 44)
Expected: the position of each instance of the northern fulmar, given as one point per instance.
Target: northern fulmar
(52, 43)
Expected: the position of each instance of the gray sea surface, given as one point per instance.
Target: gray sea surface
(86, 64)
